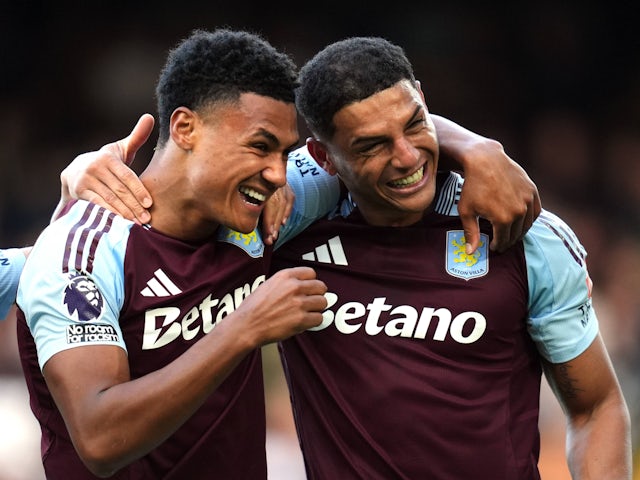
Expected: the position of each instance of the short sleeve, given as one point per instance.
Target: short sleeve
(562, 320)
(317, 193)
(72, 286)
(11, 264)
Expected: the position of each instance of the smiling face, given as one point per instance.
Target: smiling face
(385, 150)
(240, 159)
(220, 165)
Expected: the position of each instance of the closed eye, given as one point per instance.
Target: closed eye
(417, 123)
(263, 147)
(370, 148)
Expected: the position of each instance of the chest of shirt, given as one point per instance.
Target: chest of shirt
(414, 284)
(175, 293)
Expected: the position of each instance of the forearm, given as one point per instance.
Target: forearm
(113, 419)
(113, 426)
(175, 392)
(495, 188)
(599, 444)
(460, 147)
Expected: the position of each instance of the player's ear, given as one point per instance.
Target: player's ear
(182, 127)
(319, 153)
(419, 88)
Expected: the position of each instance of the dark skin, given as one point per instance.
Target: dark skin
(104, 177)
(586, 387)
(598, 425)
(114, 419)
(590, 396)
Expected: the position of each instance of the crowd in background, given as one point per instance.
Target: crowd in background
(558, 85)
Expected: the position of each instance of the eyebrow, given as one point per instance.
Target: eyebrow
(263, 132)
(363, 140)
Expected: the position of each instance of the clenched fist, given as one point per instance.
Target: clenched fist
(289, 302)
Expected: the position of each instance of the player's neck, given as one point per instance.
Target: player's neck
(175, 210)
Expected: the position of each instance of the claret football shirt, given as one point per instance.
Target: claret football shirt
(97, 279)
(427, 362)
(94, 278)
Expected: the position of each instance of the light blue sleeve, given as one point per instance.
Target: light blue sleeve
(317, 193)
(562, 320)
(72, 286)
(11, 264)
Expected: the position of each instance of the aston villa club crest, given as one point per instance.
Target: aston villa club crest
(249, 242)
(459, 263)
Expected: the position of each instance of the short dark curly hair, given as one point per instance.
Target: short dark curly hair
(212, 66)
(345, 72)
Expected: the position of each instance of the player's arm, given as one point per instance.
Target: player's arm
(316, 192)
(11, 264)
(276, 213)
(564, 326)
(104, 177)
(108, 182)
(598, 425)
(495, 188)
(113, 419)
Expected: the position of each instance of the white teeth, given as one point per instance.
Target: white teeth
(250, 192)
(411, 179)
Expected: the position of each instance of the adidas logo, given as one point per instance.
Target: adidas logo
(330, 252)
(160, 286)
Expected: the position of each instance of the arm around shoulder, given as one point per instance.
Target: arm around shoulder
(496, 187)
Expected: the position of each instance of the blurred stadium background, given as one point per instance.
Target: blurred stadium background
(557, 84)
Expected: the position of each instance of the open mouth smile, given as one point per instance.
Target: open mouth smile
(408, 181)
(253, 196)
